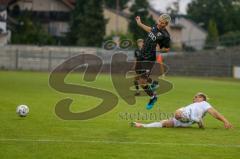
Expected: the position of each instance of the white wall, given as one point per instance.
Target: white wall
(24, 5)
(42, 5)
(111, 24)
(3, 26)
(49, 5)
(3, 14)
(192, 35)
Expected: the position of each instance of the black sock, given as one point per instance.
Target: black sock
(136, 85)
(148, 90)
(155, 83)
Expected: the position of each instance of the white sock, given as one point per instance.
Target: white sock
(153, 125)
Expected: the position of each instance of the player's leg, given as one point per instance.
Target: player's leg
(171, 123)
(146, 86)
(143, 69)
(149, 91)
(162, 124)
(136, 84)
(180, 124)
(143, 72)
(162, 69)
(184, 121)
(151, 85)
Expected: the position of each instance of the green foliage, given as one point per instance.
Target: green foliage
(15, 11)
(87, 24)
(30, 32)
(174, 8)
(230, 39)
(212, 38)
(112, 4)
(77, 17)
(224, 12)
(139, 8)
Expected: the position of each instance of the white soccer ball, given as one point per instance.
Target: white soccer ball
(22, 110)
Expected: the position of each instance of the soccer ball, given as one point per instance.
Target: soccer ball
(22, 110)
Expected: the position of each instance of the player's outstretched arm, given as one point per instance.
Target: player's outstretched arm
(143, 26)
(220, 117)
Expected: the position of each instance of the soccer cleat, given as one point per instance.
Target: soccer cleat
(151, 103)
(135, 124)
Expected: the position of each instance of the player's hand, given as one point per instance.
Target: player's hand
(200, 124)
(228, 125)
(138, 20)
(165, 50)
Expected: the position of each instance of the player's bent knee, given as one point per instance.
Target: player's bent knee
(178, 114)
(142, 81)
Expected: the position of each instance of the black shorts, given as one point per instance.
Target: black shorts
(144, 68)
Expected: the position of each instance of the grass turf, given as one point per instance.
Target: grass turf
(43, 135)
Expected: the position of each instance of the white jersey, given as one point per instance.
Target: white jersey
(195, 111)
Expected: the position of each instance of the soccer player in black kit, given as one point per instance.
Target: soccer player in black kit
(157, 35)
(137, 55)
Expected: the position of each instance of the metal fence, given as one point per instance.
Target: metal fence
(19, 57)
(215, 62)
(201, 44)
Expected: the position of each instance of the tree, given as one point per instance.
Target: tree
(230, 39)
(76, 18)
(139, 8)
(112, 4)
(224, 12)
(212, 38)
(30, 31)
(174, 9)
(87, 25)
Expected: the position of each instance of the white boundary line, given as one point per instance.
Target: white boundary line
(121, 142)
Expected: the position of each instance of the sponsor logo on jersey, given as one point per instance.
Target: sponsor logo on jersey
(159, 34)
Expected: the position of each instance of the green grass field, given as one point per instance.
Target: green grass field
(43, 135)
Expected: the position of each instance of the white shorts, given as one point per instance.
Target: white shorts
(178, 123)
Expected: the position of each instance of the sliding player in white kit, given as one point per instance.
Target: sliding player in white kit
(191, 114)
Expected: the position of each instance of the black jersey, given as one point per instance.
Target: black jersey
(137, 54)
(156, 36)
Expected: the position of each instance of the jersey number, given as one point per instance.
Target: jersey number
(152, 36)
